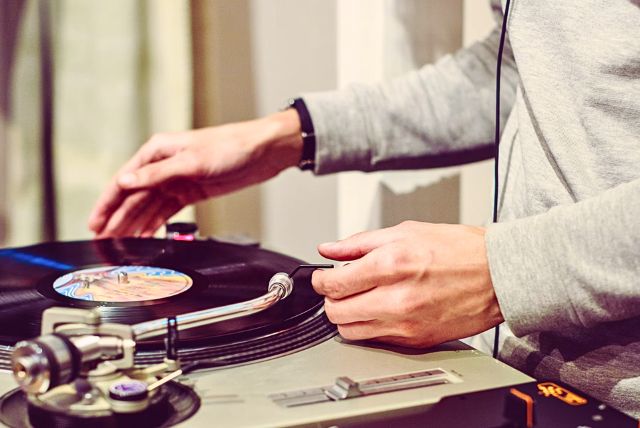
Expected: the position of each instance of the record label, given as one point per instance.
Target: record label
(122, 284)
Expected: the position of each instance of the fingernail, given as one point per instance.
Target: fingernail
(127, 179)
(328, 244)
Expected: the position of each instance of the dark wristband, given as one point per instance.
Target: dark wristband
(308, 159)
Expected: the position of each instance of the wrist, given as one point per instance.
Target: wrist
(307, 132)
(284, 136)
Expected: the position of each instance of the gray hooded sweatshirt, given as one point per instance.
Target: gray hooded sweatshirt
(565, 256)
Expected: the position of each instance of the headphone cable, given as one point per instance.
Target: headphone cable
(496, 176)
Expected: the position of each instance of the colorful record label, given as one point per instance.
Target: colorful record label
(122, 284)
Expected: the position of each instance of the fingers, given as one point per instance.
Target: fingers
(118, 197)
(385, 302)
(155, 174)
(370, 316)
(361, 330)
(134, 223)
(377, 268)
(120, 221)
(351, 309)
(159, 147)
(343, 281)
(165, 212)
(357, 245)
(141, 214)
(107, 203)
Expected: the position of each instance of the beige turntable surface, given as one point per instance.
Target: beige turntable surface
(243, 396)
(240, 396)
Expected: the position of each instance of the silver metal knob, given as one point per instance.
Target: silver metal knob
(32, 368)
(283, 282)
(343, 388)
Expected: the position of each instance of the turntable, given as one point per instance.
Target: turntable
(153, 332)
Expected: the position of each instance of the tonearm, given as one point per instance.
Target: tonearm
(74, 342)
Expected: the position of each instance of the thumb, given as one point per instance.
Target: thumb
(356, 245)
(153, 174)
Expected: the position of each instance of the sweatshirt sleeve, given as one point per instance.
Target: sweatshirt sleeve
(575, 266)
(440, 115)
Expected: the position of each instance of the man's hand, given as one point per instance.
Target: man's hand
(174, 170)
(415, 284)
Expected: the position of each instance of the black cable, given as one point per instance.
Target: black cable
(496, 174)
(312, 266)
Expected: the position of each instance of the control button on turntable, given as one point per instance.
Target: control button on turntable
(181, 231)
(132, 390)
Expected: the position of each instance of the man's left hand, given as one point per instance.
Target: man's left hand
(414, 284)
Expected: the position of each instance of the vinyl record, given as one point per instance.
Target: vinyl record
(195, 275)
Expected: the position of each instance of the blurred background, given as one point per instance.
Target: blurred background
(84, 83)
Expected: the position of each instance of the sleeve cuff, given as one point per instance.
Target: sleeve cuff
(340, 130)
(531, 297)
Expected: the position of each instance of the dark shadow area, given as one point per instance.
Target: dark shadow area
(448, 346)
(11, 12)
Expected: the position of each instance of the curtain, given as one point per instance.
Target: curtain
(121, 71)
(21, 160)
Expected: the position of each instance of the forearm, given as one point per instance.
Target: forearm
(440, 115)
(575, 266)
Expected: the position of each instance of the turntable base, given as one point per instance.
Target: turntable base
(447, 386)
(247, 395)
(241, 396)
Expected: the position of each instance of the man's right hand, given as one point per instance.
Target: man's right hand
(177, 169)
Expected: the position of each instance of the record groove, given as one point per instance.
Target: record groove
(222, 274)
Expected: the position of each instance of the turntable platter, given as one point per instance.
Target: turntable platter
(134, 280)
